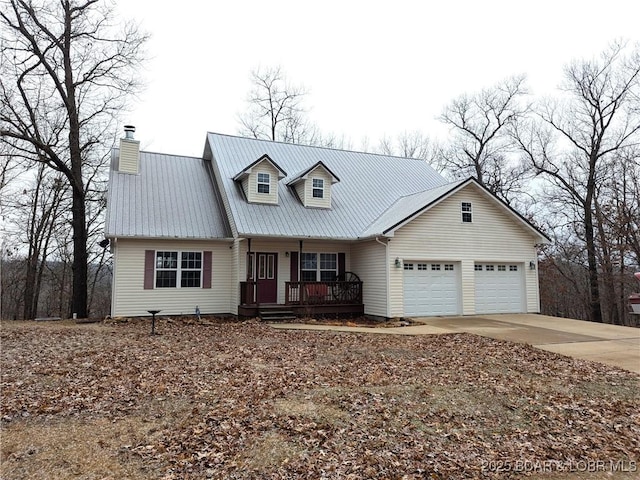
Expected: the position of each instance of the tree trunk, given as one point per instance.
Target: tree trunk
(80, 257)
(28, 312)
(78, 209)
(594, 287)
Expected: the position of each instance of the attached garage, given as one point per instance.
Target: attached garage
(431, 288)
(499, 288)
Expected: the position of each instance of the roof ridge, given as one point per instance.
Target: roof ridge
(164, 153)
(384, 155)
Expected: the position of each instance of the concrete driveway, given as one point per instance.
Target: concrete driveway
(608, 344)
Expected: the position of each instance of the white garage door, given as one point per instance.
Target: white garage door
(431, 288)
(499, 288)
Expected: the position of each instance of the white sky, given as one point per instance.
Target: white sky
(373, 68)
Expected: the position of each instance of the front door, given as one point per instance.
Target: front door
(267, 277)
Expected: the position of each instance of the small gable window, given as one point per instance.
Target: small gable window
(263, 182)
(318, 188)
(466, 212)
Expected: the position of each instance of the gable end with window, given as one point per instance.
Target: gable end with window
(466, 210)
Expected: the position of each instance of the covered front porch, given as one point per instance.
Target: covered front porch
(339, 298)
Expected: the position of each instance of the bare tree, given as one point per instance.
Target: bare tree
(275, 109)
(481, 144)
(65, 74)
(579, 136)
(43, 204)
(409, 145)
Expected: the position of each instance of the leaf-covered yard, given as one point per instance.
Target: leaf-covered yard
(242, 400)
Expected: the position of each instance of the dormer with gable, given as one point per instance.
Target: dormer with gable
(259, 180)
(313, 186)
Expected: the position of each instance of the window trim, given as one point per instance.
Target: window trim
(319, 268)
(178, 269)
(466, 211)
(319, 189)
(263, 183)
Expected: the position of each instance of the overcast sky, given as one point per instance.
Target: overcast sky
(372, 68)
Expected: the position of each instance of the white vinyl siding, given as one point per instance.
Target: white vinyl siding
(129, 161)
(304, 189)
(129, 298)
(250, 183)
(438, 233)
(300, 190)
(369, 261)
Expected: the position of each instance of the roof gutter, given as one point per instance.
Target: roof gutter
(386, 269)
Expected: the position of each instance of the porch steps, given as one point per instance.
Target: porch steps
(275, 315)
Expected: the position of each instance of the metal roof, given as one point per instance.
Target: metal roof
(369, 185)
(303, 175)
(407, 206)
(172, 197)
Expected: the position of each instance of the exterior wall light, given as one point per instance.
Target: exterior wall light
(398, 263)
(532, 265)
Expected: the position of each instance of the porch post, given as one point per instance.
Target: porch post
(300, 262)
(248, 259)
(253, 286)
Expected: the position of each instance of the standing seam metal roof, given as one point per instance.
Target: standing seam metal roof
(369, 185)
(172, 197)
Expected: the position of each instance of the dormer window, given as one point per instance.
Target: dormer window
(264, 181)
(318, 188)
(260, 179)
(313, 186)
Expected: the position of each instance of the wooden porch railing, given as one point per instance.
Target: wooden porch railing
(323, 293)
(248, 292)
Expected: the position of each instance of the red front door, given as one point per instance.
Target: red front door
(267, 277)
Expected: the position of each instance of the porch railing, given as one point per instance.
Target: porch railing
(323, 293)
(248, 292)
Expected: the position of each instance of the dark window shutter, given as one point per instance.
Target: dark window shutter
(341, 264)
(294, 266)
(149, 259)
(206, 270)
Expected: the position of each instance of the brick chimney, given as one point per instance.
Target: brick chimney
(129, 161)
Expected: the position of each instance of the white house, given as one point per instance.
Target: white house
(256, 225)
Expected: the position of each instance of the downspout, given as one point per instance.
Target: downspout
(386, 268)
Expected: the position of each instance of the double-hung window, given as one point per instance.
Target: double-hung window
(178, 269)
(466, 212)
(318, 188)
(316, 267)
(191, 269)
(264, 182)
